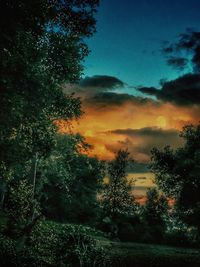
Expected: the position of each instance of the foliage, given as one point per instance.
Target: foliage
(154, 214)
(72, 182)
(42, 47)
(21, 208)
(52, 244)
(177, 174)
(131, 228)
(179, 233)
(116, 197)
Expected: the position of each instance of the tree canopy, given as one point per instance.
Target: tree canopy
(178, 173)
(42, 47)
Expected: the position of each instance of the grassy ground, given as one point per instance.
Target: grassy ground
(147, 255)
(134, 254)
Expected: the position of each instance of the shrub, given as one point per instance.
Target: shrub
(55, 245)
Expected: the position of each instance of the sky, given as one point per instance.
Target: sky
(130, 34)
(125, 104)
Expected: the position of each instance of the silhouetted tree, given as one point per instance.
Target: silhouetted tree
(154, 213)
(178, 174)
(117, 200)
(117, 194)
(72, 182)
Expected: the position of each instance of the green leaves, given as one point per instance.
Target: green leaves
(41, 48)
(20, 208)
(117, 195)
(178, 173)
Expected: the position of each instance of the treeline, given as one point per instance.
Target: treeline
(170, 214)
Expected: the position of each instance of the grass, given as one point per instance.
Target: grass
(124, 254)
(147, 255)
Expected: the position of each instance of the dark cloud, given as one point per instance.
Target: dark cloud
(140, 142)
(111, 98)
(185, 90)
(147, 131)
(102, 81)
(178, 62)
(188, 43)
(149, 137)
(89, 87)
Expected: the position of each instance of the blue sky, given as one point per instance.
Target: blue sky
(130, 35)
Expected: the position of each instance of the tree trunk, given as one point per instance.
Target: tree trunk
(34, 181)
(3, 193)
(35, 173)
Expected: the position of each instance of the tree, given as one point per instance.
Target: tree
(178, 174)
(88, 177)
(72, 182)
(42, 46)
(154, 213)
(117, 195)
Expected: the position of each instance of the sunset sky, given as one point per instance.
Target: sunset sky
(131, 98)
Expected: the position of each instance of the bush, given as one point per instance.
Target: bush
(55, 245)
(182, 238)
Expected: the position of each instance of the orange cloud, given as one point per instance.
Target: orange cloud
(99, 123)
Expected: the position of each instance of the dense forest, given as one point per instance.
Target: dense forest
(56, 209)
